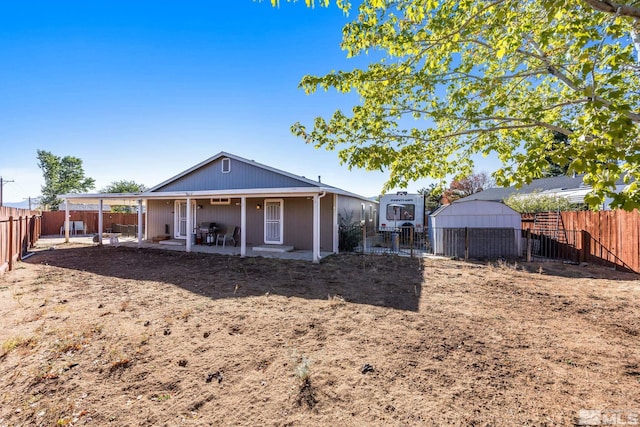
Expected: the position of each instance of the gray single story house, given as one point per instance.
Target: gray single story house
(261, 206)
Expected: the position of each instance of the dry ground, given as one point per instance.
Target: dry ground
(126, 337)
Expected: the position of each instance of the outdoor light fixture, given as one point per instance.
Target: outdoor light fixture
(258, 206)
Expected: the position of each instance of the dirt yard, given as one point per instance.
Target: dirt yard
(126, 337)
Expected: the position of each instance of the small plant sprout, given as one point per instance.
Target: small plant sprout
(303, 369)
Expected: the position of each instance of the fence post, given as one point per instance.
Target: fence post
(10, 243)
(466, 243)
(411, 241)
(586, 245)
(20, 242)
(529, 245)
(364, 238)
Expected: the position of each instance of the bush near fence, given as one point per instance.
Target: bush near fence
(19, 231)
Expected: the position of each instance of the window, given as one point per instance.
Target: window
(406, 213)
(226, 165)
(220, 201)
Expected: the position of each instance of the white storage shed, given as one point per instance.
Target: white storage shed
(483, 228)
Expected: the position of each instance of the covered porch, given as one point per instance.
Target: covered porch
(294, 218)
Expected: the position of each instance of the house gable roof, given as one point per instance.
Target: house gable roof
(243, 174)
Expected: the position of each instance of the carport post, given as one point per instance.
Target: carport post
(100, 224)
(66, 220)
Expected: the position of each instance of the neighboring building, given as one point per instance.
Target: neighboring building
(267, 207)
(571, 187)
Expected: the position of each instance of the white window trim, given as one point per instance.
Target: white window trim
(226, 161)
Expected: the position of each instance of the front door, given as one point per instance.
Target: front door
(273, 224)
(180, 218)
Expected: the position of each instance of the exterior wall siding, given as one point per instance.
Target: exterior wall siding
(159, 214)
(226, 217)
(298, 222)
(255, 222)
(326, 223)
(350, 211)
(241, 176)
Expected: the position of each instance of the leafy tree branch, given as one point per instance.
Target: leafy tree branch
(458, 79)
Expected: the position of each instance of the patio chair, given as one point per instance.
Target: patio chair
(228, 236)
(78, 227)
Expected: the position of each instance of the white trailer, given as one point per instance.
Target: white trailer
(402, 210)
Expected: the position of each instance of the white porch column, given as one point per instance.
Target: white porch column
(100, 207)
(336, 246)
(316, 228)
(139, 223)
(243, 226)
(189, 224)
(66, 220)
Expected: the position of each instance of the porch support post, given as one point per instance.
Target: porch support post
(139, 223)
(100, 207)
(316, 228)
(189, 224)
(335, 224)
(66, 220)
(243, 226)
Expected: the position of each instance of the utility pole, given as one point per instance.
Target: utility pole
(2, 183)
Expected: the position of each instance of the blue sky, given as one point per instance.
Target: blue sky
(144, 90)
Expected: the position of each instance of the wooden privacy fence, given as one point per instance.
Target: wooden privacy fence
(19, 231)
(52, 221)
(610, 238)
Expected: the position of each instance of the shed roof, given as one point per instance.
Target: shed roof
(475, 207)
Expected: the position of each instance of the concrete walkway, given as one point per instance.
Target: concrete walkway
(132, 242)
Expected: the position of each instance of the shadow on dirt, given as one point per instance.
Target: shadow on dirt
(386, 281)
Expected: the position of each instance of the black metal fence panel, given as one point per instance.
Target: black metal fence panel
(557, 244)
(477, 243)
(467, 243)
(400, 240)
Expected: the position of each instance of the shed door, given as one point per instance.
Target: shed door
(273, 224)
